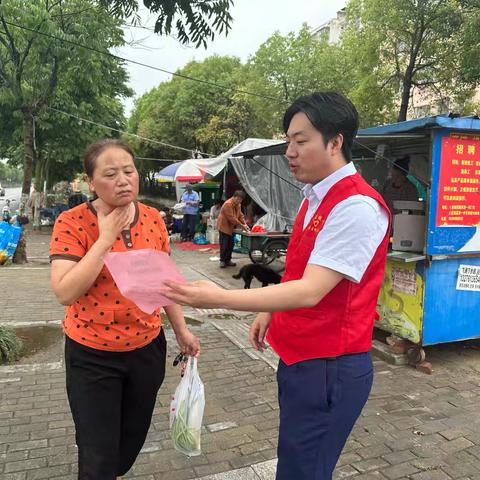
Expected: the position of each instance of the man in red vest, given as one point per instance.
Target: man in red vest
(320, 318)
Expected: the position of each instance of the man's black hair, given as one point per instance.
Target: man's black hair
(330, 113)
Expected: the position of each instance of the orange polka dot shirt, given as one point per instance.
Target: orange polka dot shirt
(102, 318)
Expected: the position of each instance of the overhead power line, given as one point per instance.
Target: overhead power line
(146, 65)
(151, 140)
(157, 159)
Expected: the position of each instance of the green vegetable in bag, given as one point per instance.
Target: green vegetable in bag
(186, 411)
(185, 437)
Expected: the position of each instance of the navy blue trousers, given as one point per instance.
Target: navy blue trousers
(320, 401)
(188, 226)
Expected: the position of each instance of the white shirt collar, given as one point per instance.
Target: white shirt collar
(320, 189)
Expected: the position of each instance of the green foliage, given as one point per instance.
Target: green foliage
(194, 115)
(286, 67)
(10, 174)
(396, 46)
(470, 42)
(39, 70)
(201, 116)
(231, 124)
(194, 22)
(387, 50)
(10, 345)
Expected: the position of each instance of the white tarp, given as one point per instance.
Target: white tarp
(266, 179)
(215, 165)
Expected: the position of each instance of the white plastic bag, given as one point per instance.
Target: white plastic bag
(179, 207)
(186, 411)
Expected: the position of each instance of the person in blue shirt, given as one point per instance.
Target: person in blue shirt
(191, 200)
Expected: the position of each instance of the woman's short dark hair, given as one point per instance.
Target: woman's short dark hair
(94, 150)
(240, 194)
(330, 113)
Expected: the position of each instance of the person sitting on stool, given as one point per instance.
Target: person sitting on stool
(230, 216)
(190, 211)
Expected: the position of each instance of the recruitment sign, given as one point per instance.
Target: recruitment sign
(459, 182)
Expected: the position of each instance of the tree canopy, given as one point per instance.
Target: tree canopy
(193, 22)
(43, 73)
(396, 46)
(196, 115)
(388, 50)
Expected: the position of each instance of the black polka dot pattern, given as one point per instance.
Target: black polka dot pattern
(101, 318)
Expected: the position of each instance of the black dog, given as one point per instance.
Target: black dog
(262, 273)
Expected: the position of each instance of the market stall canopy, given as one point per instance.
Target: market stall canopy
(438, 121)
(213, 166)
(185, 171)
(268, 180)
(278, 148)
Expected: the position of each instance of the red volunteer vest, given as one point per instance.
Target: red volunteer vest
(342, 322)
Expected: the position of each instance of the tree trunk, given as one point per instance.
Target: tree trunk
(28, 159)
(39, 204)
(20, 255)
(407, 82)
(37, 197)
(48, 174)
(39, 174)
(406, 90)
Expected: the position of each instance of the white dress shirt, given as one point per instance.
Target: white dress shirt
(352, 232)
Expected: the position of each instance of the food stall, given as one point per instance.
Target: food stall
(431, 289)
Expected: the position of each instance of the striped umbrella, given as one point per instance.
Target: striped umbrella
(185, 171)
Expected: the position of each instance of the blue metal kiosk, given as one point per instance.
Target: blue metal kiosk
(432, 295)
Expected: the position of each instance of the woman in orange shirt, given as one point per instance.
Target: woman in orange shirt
(114, 353)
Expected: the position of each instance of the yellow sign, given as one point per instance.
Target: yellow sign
(400, 303)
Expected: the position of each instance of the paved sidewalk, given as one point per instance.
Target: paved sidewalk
(414, 426)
